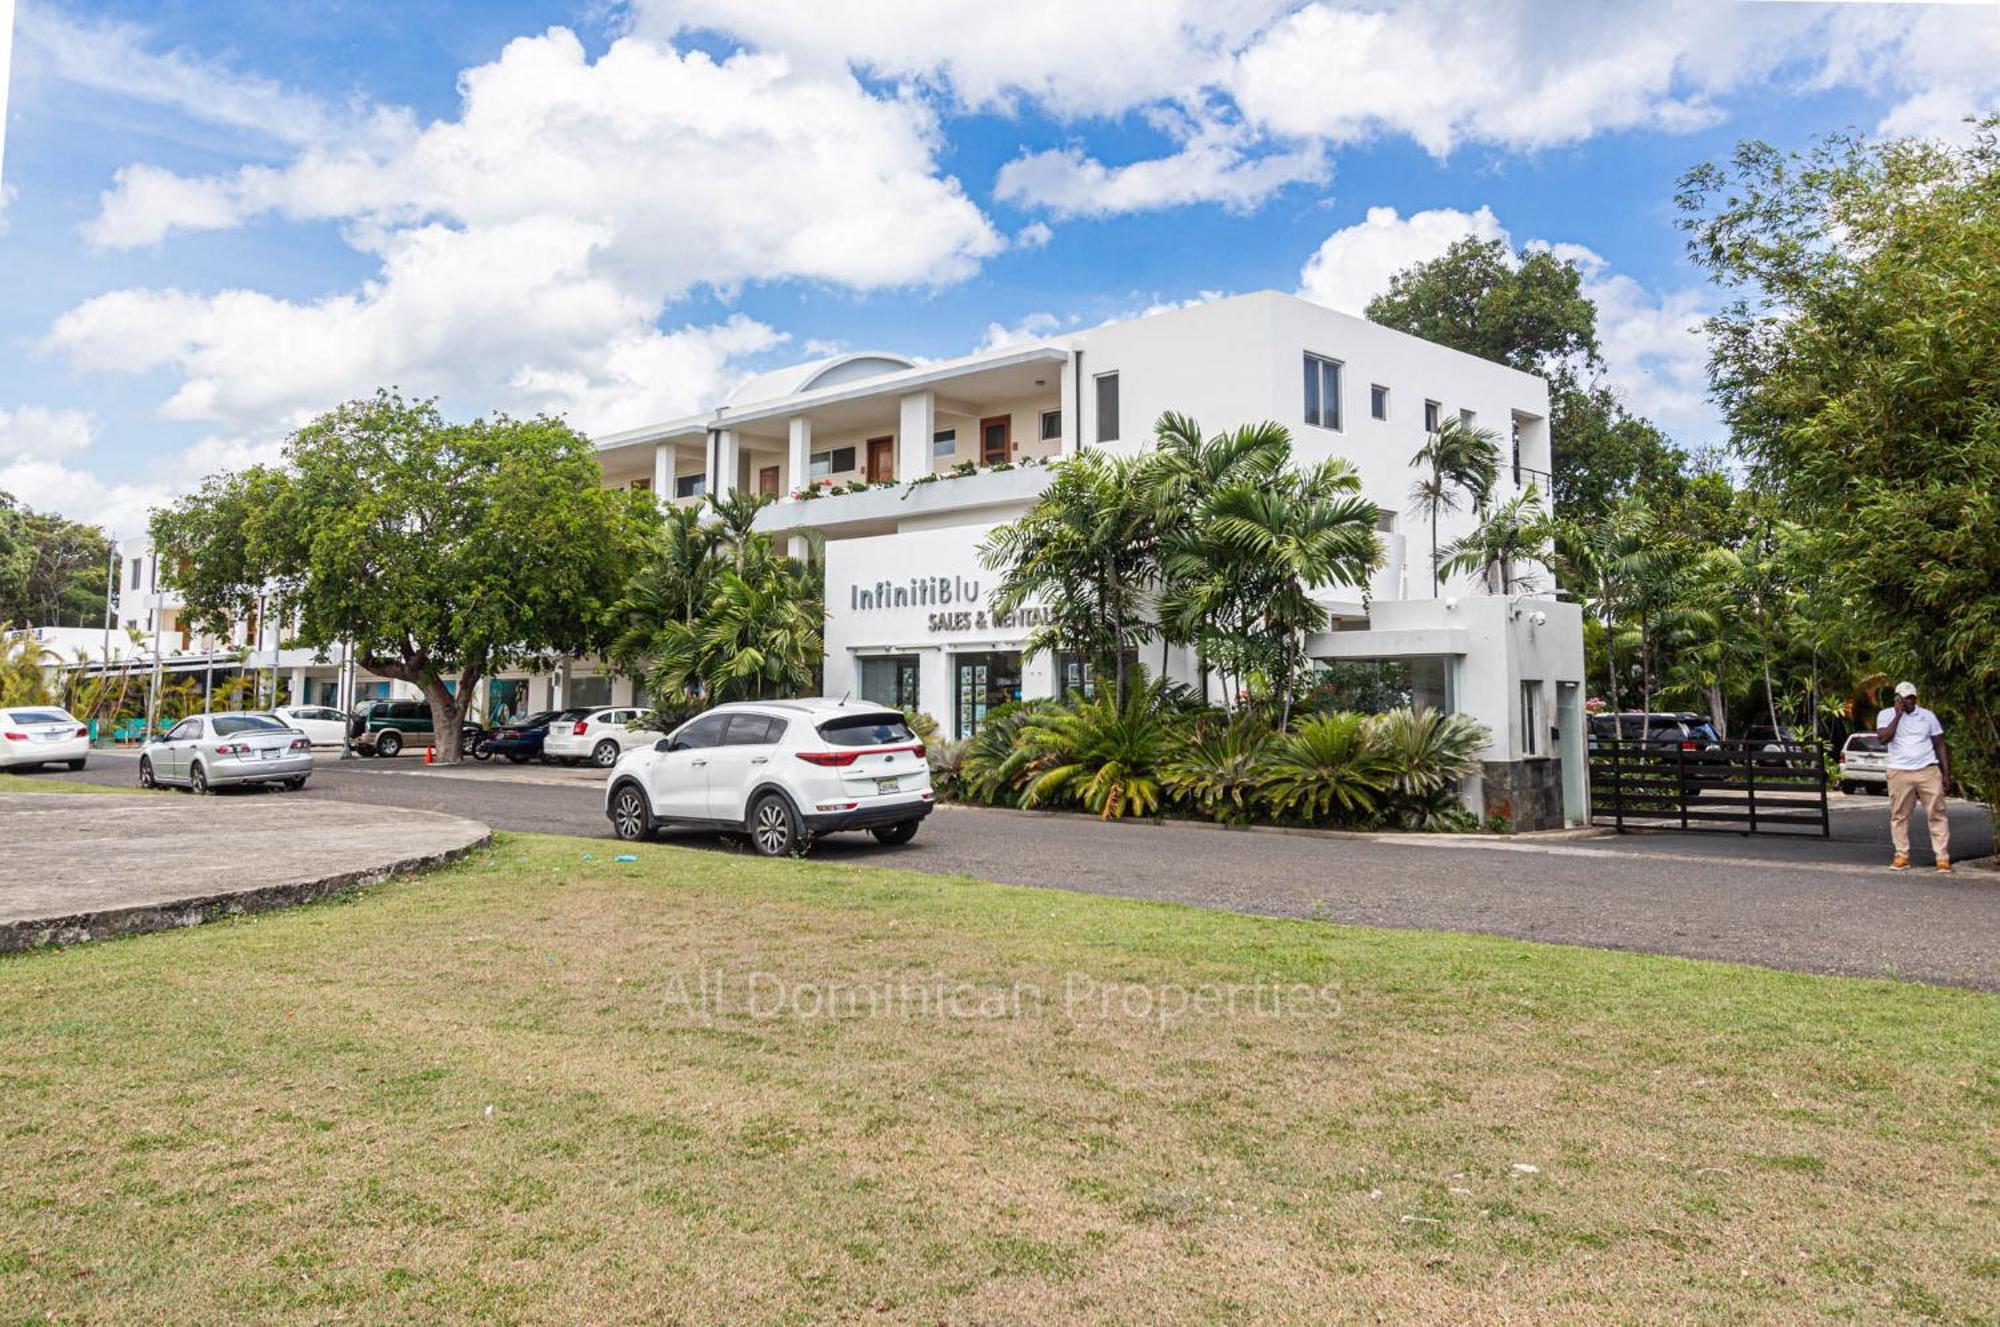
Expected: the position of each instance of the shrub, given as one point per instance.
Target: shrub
(923, 725)
(995, 759)
(1222, 767)
(1327, 768)
(947, 761)
(1102, 754)
(1427, 752)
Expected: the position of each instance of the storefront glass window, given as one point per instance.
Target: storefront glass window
(1371, 686)
(890, 680)
(980, 684)
(588, 692)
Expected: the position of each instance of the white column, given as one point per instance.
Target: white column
(799, 457)
(797, 549)
(299, 686)
(913, 437)
(722, 480)
(663, 472)
(1072, 417)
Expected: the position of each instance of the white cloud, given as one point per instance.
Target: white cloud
(1654, 349)
(1034, 327)
(36, 431)
(117, 59)
(1353, 265)
(1033, 235)
(529, 247)
(1215, 163)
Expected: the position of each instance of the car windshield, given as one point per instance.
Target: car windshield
(867, 730)
(1865, 742)
(227, 725)
(40, 716)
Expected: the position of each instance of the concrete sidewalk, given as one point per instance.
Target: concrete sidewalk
(84, 867)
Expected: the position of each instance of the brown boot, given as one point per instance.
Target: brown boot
(1944, 866)
(1902, 862)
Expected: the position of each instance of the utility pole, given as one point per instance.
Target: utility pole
(153, 692)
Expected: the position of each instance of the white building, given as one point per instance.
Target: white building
(907, 620)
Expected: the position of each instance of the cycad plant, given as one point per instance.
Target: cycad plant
(1327, 768)
(1220, 768)
(1425, 753)
(995, 759)
(1105, 754)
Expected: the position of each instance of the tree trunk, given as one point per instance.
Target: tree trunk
(444, 720)
(1645, 665)
(1610, 652)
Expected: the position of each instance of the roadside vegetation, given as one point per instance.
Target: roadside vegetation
(532, 1087)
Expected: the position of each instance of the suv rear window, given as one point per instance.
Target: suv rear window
(1865, 742)
(885, 729)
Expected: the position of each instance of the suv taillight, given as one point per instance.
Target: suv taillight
(1687, 745)
(829, 759)
(582, 727)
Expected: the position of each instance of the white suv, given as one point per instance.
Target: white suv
(783, 772)
(600, 736)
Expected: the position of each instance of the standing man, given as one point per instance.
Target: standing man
(1919, 768)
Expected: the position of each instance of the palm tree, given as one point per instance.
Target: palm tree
(758, 637)
(1458, 460)
(1514, 533)
(674, 583)
(736, 512)
(1086, 552)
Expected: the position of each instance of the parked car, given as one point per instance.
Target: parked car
(1678, 739)
(33, 735)
(521, 741)
(781, 772)
(599, 735)
(1864, 763)
(205, 751)
(323, 724)
(386, 727)
(1785, 748)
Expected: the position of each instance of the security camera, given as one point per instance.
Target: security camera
(1451, 604)
(1538, 619)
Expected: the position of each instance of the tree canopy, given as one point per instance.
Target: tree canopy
(52, 569)
(444, 552)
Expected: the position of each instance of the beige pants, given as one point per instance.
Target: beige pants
(1908, 786)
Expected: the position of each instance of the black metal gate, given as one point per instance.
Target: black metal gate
(1733, 787)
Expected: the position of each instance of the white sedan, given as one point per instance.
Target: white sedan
(322, 724)
(42, 735)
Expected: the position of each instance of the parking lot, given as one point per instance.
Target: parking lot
(1809, 904)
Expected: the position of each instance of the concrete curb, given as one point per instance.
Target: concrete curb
(1302, 831)
(79, 928)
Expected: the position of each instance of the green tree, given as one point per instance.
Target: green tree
(1456, 462)
(1504, 549)
(444, 552)
(52, 569)
(1855, 366)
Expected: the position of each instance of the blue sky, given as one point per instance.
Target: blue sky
(221, 217)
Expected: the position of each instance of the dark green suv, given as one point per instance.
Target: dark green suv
(386, 727)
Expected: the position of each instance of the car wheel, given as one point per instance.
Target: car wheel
(388, 744)
(628, 814)
(295, 784)
(900, 832)
(197, 780)
(146, 779)
(774, 827)
(1847, 787)
(605, 754)
(75, 764)
(482, 751)
(516, 758)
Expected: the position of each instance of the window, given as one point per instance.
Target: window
(690, 486)
(703, 732)
(984, 682)
(1531, 718)
(1432, 413)
(136, 562)
(228, 725)
(890, 680)
(591, 691)
(1468, 418)
(1517, 451)
(837, 460)
(1378, 401)
(867, 730)
(1322, 392)
(1075, 676)
(1385, 521)
(944, 444)
(753, 730)
(642, 486)
(187, 730)
(1051, 425)
(1107, 407)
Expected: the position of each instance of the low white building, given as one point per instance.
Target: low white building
(908, 619)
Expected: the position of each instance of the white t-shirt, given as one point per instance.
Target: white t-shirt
(1910, 748)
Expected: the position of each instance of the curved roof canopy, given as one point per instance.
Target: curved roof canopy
(829, 372)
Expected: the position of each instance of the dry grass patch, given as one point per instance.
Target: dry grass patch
(533, 1087)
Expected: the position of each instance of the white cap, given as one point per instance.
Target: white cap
(1906, 688)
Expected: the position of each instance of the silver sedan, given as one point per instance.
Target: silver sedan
(206, 751)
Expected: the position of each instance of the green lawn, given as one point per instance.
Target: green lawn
(494, 1094)
(46, 783)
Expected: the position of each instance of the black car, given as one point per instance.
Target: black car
(521, 740)
(1680, 740)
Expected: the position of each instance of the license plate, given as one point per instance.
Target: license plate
(887, 785)
(54, 737)
(268, 753)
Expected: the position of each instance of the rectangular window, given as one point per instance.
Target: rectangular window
(1107, 407)
(982, 682)
(1378, 401)
(1468, 418)
(836, 461)
(1322, 392)
(1385, 521)
(822, 465)
(690, 486)
(1433, 412)
(1531, 718)
(944, 444)
(890, 680)
(1517, 451)
(1051, 425)
(136, 563)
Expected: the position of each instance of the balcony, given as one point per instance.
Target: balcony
(883, 508)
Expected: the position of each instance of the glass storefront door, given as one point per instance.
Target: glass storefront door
(890, 679)
(981, 683)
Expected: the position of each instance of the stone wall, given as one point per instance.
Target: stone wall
(1528, 794)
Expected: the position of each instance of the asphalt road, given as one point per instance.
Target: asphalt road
(1806, 904)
